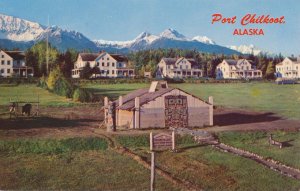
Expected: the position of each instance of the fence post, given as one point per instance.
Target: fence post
(173, 140)
(151, 141)
(152, 186)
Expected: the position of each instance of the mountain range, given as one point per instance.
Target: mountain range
(22, 34)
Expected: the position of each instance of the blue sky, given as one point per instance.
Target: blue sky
(125, 19)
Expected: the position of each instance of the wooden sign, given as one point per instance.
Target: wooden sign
(162, 141)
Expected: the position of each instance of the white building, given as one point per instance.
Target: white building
(110, 65)
(12, 63)
(237, 69)
(289, 68)
(178, 68)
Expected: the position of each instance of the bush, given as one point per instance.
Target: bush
(54, 76)
(63, 87)
(83, 95)
(42, 83)
(134, 141)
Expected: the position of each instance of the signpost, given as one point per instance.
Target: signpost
(161, 141)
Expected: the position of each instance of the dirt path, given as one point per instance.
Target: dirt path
(183, 184)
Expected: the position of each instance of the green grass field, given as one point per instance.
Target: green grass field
(30, 92)
(211, 169)
(257, 142)
(280, 99)
(283, 100)
(70, 164)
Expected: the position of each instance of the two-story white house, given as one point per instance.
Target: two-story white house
(179, 68)
(12, 63)
(237, 69)
(289, 68)
(110, 65)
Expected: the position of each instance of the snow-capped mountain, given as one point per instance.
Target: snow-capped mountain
(203, 39)
(17, 29)
(172, 34)
(169, 38)
(246, 49)
(20, 33)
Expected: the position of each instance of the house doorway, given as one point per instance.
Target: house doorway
(176, 111)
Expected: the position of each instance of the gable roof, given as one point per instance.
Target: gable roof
(231, 61)
(169, 61)
(16, 55)
(119, 58)
(145, 97)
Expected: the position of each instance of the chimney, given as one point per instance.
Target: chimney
(120, 100)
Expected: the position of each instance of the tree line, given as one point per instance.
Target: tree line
(141, 61)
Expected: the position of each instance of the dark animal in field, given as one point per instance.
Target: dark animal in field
(26, 109)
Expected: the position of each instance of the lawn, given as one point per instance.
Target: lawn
(257, 142)
(30, 92)
(211, 169)
(70, 164)
(280, 99)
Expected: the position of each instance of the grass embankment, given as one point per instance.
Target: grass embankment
(70, 164)
(209, 168)
(257, 142)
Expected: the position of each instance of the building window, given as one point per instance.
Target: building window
(113, 64)
(107, 63)
(107, 71)
(8, 62)
(120, 65)
(112, 72)
(107, 58)
(98, 64)
(2, 62)
(102, 71)
(2, 56)
(2, 71)
(102, 58)
(8, 71)
(102, 63)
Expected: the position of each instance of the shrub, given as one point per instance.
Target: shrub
(83, 95)
(42, 82)
(54, 76)
(63, 87)
(134, 141)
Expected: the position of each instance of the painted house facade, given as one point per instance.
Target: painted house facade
(110, 65)
(289, 68)
(160, 107)
(179, 68)
(237, 69)
(12, 63)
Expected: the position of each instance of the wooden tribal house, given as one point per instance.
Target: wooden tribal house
(159, 106)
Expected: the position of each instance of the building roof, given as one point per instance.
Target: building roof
(231, 61)
(89, 56)
(169, 61)
(119, 58)
(146, 96)
(16, 55)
